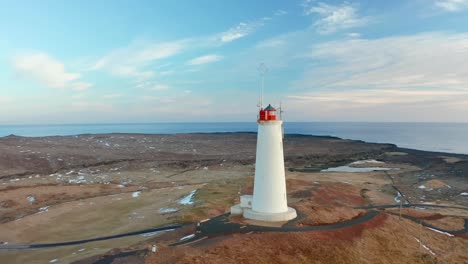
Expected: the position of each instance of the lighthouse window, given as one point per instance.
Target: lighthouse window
(272, 113)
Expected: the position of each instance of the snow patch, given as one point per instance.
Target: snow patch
(187, 237)
(44, 209)
(136, 194)
(464, 193)
(155, 233)
(398, 197)
(168, 210)
(31, 199)
(53, 261)
(188, 199)
(425, 247)
(438, 231)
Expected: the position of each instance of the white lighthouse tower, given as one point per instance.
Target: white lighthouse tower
(269, 200)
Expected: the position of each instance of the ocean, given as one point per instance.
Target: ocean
(441, 137)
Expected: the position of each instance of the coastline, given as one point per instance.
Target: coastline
(432, 152)
(436, 137)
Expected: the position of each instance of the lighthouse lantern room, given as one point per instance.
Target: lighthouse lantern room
(269, 113)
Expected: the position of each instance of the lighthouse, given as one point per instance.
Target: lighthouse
(269, 200)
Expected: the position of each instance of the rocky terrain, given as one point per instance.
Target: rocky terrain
(55, 189)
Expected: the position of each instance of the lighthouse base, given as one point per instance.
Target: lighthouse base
(270, 217)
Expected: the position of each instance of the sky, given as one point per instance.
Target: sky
(197, 61)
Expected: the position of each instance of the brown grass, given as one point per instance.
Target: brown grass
(448, 223)
(435, 184)
(385, 239)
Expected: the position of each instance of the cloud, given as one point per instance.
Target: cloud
(130, 71)
(334, 18)
(205, 59)
(452, 5)
(363, 97)
(158, 87)
(112, 96)
(90, 107)
(151, 86)
(80, 86)
(78, 95)
(422, 77)
(240, 31)
(132, 60)
(354, 35)
(160, 99)
(395, 105)
(49, 71)
(139, 59)
(280, 12)
(4, 99)
(426, 60)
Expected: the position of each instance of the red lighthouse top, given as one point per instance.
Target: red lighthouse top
(267, 114)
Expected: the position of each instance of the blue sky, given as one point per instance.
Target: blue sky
(162, 61)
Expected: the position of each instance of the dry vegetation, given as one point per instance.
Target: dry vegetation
(86, 183)
(385, 239)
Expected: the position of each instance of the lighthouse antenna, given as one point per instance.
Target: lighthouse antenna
(281, 118)
(262, 69)
(281, 110)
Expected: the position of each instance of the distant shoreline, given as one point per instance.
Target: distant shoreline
(437, 137)
(403, 149)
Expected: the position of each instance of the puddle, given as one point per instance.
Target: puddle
(354, 169)
(351, 168)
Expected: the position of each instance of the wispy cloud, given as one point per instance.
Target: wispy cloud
(382, 96)
(152, 86)
(381, 105)
(79, 95)
(133, 60)
(280, 12)
(112, 96)
(49, 71)
(243, 29)
(420, 77)
(4, 99)
(90, 106)
(160, 99)
(335, 17)
(205, 59)
(130, 71)
(452, 5)
(353, 35)
(158, 87)
(240, 31)
(424, 60)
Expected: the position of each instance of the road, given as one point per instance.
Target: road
(221, 225)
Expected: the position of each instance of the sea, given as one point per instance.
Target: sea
(439, 137)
